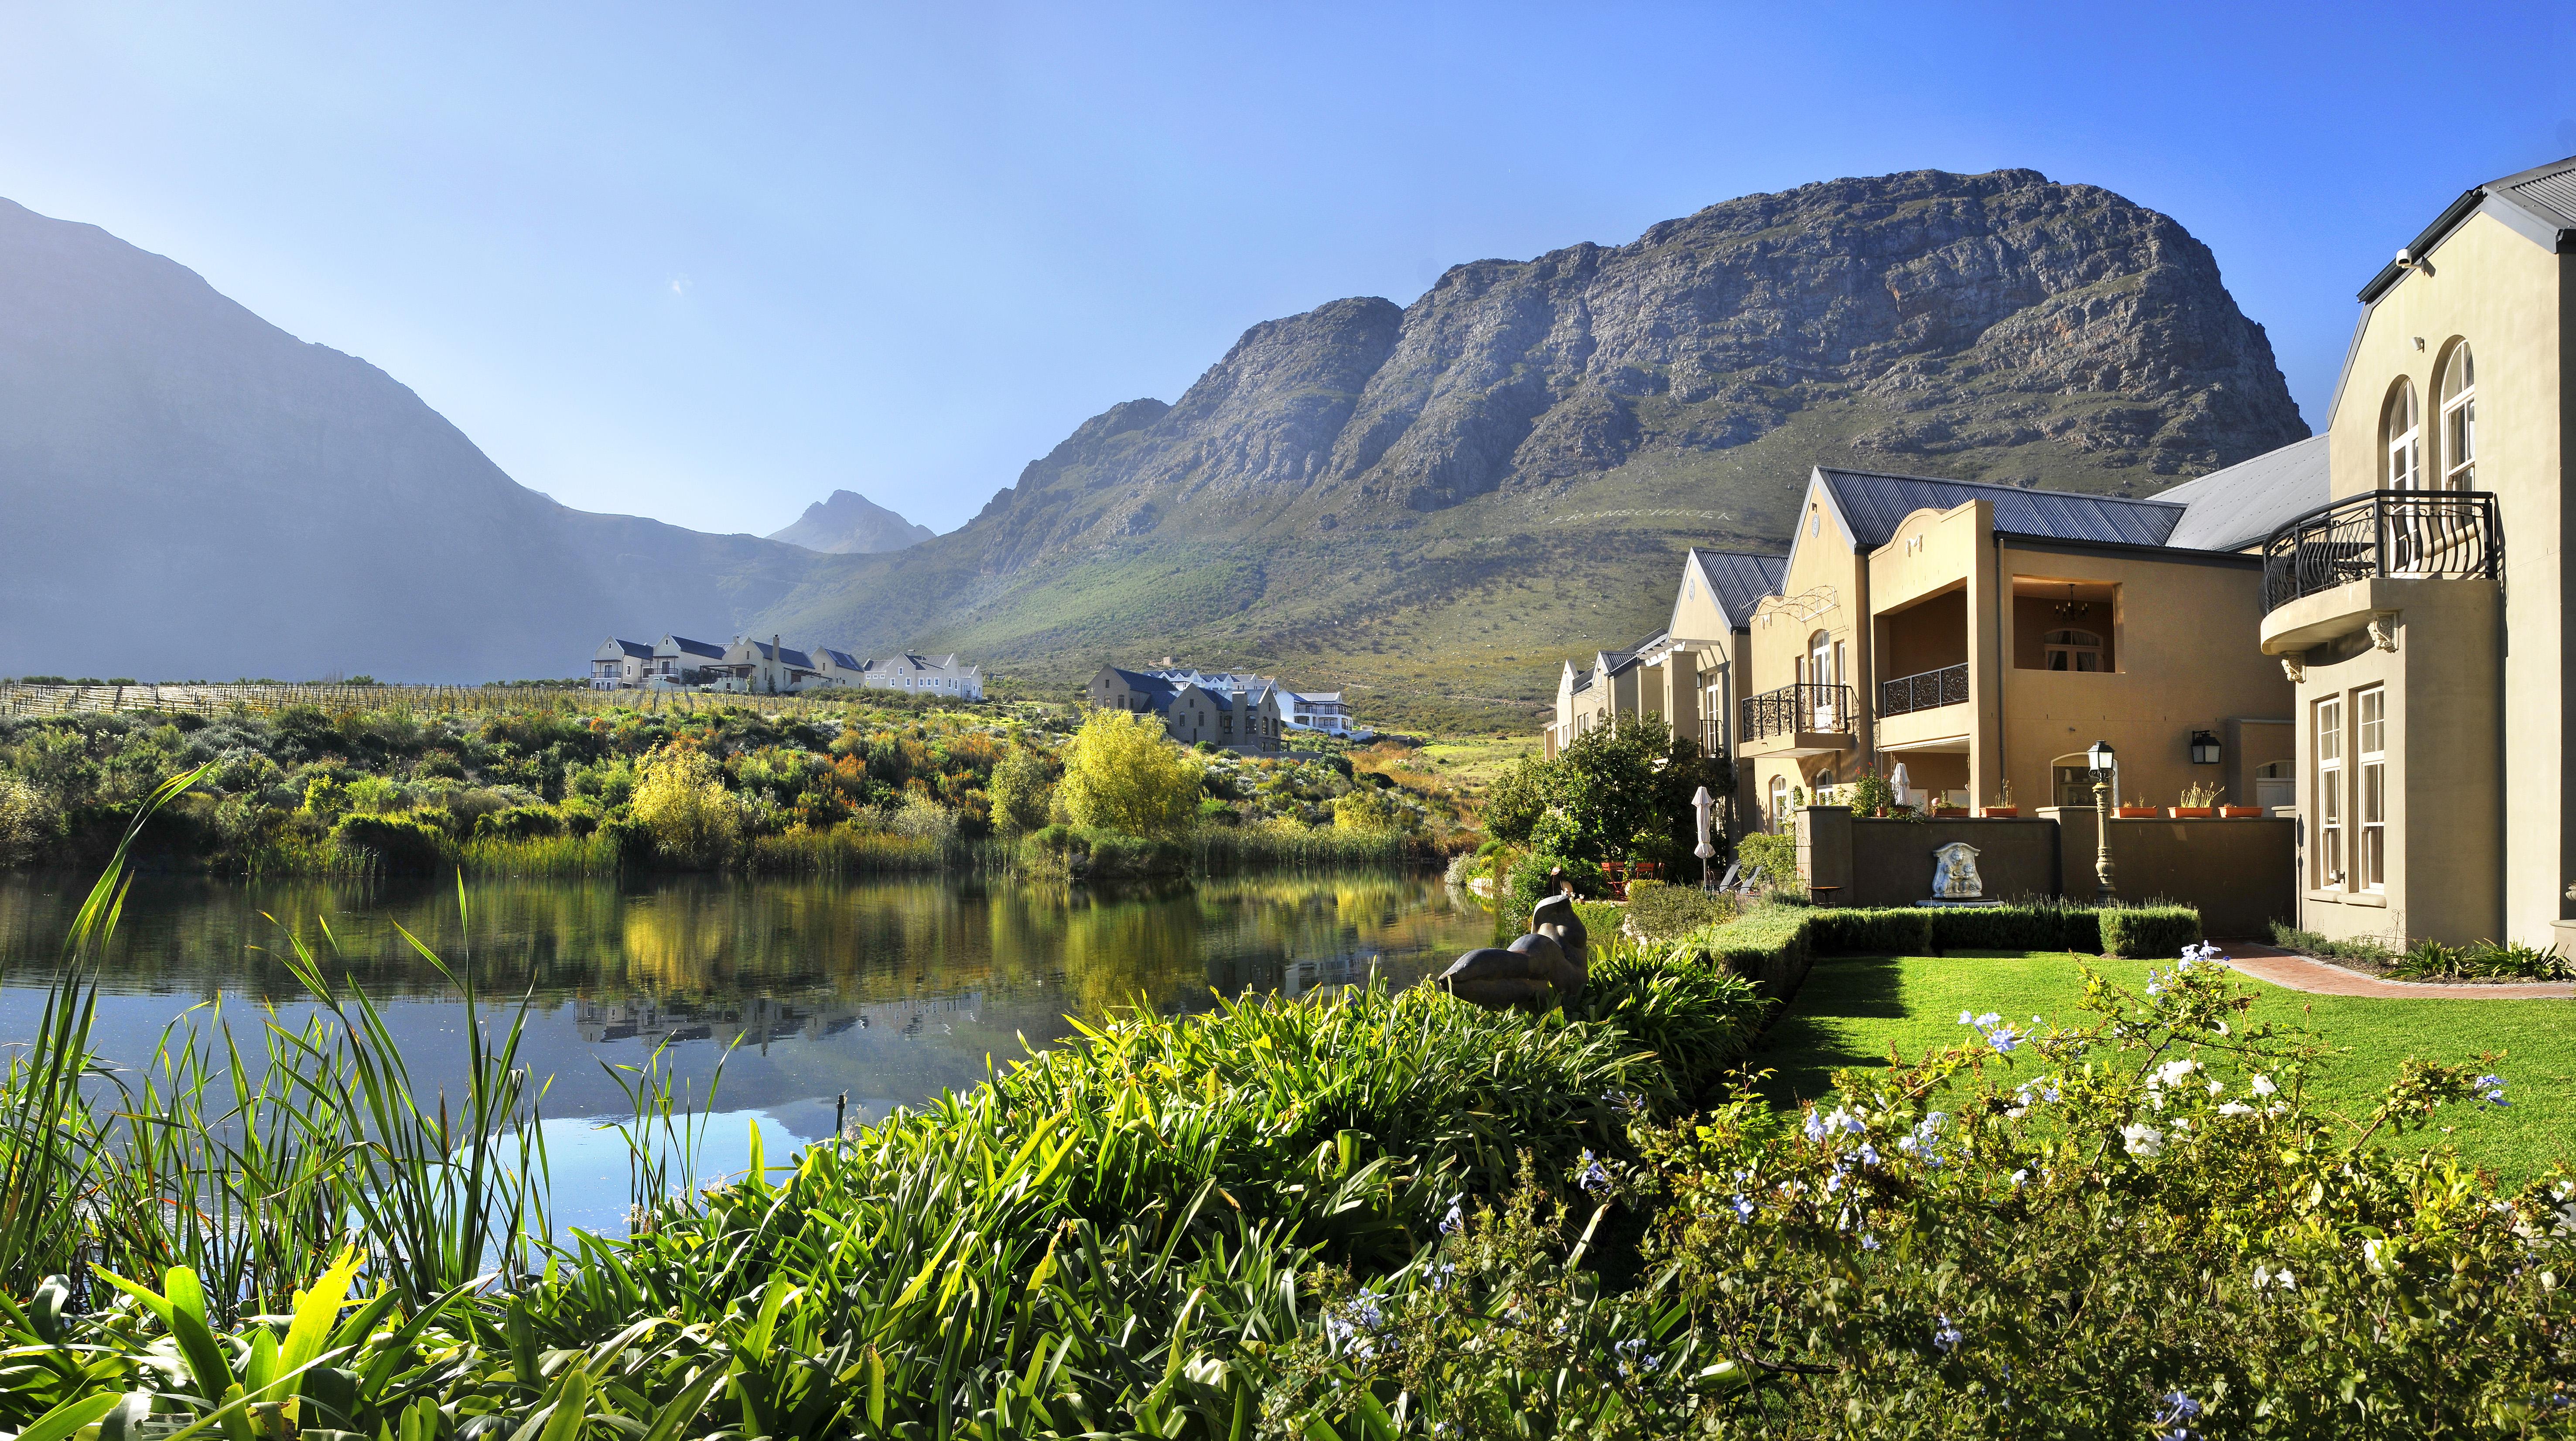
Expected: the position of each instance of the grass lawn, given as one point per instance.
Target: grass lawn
(1853, 1008)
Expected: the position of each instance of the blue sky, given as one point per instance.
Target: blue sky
(709, 263)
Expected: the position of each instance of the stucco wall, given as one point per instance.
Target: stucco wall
(2238, 873)
(2511, 301)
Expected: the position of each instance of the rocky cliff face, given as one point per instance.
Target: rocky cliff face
(1999, 327)
(1946, 318)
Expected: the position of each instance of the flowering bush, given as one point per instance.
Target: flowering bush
(2134, 1226)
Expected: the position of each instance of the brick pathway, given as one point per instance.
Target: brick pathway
(2320, 978)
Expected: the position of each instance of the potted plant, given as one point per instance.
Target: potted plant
(2240, 813)
(2007, 810)
(2195, 801)
(2137, 810)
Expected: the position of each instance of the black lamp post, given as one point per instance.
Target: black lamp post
(2101, 759)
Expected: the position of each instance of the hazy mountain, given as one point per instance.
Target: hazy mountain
(1436, 503)
(851, 524)
(191, 491)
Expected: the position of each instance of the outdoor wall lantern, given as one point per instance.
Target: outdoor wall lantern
(2204, 748)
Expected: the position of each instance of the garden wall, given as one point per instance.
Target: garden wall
(1889, 863)
(2239, 874)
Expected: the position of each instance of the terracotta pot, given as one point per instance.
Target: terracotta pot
(1949, 813)
(2196, 812)
(2002, 813)
(2134, 813)
(2241, 813)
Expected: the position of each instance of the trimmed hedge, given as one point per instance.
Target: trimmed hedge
(1773, 945)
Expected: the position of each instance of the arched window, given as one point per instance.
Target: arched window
(2402, 441)
(1779, 801)
(2459, 394)
(2071, 650)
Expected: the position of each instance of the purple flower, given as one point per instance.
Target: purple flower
(1945, 1336)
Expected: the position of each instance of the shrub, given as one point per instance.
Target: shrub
(1022, 788)
(1366, 809)
(1531, 880)
(1121, 774)
(519, 823)
(404, 844)
(2485, 960)
(1903, 931)
(2005, 928)
(2142, 931)
(27, 820)
(1692, 1012)
(1776, 852)
(694, 820)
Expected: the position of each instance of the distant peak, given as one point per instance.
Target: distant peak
(848, 523)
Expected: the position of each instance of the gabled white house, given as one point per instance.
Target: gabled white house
(918, 674)
(765, 667)
(620, 664)
(679, 661)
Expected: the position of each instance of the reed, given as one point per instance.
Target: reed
(596, 854)
(1120, 1236)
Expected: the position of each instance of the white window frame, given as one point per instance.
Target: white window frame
(2328, 720)
(2074, 650)
(2459, 420)
(2370, 761)
(2403, 457)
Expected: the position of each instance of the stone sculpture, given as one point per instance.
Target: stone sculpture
(1547, 966)
(1954, 873)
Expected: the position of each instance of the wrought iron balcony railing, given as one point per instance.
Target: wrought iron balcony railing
(1946, 686)
(2452, 533)
(1794, 708)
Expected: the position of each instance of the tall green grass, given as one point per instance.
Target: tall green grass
(1116, 1237)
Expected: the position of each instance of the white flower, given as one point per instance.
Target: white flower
(2374, 1254)
(2174, 1073)
(2144, 1141)
(2217, 1086)
(2265, 1276)
(2262, 1086)
(2236, 1108)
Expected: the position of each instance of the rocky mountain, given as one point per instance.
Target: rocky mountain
(849, 523)
(192, 492)
(1438, 502)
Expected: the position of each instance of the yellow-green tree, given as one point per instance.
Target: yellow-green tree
(1021, 789)
(684, 804)
(1367, 808)
(1120, 774)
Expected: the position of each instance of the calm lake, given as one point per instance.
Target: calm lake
(887, 989)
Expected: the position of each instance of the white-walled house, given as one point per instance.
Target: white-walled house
(620, 664)
(679, 662)
(765, 667)
(917, 674)
(1322, 710)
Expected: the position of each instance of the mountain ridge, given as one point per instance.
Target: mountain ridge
(1374, 487)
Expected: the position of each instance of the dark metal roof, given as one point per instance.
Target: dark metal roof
(2242, 505)
(843, 659)
(2542, 198)
(1873, 505)
(686, 646)
(636, 648)
(1740, 578)
(1150, 684)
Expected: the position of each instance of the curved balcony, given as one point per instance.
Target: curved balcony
(1797, 720)
(2328, 572)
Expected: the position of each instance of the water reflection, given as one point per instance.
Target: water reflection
(888, 990)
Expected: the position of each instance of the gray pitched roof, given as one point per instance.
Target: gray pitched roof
(687, 646)
(1872, 505)
(637, 649)
(842, 658)
(2539, 202)
(1152, 685)
(2242, 505)
(1740, 578)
